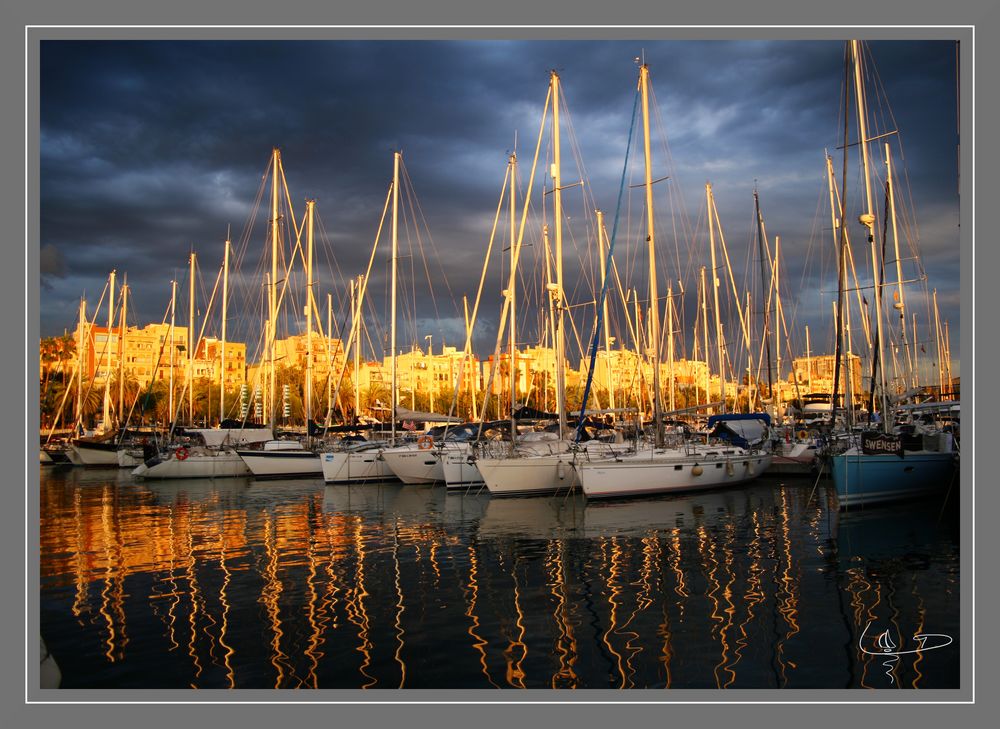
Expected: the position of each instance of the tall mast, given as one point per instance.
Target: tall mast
(937, 341)
(654, 299)
(550, 324)
(640, 338)
(395, 244)
(513, 289)
(900, 304)
(191, 343)
(751, 391)
(355, 294)
(947, 360)
(670, 343)
(868, 219)
(763, 286)
(107, 371)
(472, 377)
(604, 312)
(170, 343)
(329, 355)
(809, 374)
(222, 353)
(121, 352)
(310, 214)
(704, 333)
(710, 211)
(272, 300)
(557, 214)
(79, 361)
(776, 395)
(842, 251)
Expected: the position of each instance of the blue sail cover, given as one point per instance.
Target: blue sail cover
(741, 429)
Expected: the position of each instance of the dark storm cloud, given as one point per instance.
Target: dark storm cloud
(150, 149)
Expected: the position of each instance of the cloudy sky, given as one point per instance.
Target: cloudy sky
(151, 149)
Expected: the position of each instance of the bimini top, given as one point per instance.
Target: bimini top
(741, 429)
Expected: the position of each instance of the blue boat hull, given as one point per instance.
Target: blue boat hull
(871, 479)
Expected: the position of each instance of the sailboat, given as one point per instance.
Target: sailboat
(881, 465)
(210, 451)
(363, 462)
(543, 462)
(285, 458)
(102, 450)
(685, 465)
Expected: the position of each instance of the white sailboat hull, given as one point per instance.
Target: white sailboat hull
(544, 473)
(282, 464)
(220, 464)
(355, 467)
(415, 466)
(461, 473)
(95, 455)
(529, 476)
(658, 472)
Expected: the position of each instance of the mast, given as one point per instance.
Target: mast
(170, 338)
(947, 361)
(79, 358)
(937, 341)
(900, 304)
(763, 285)
(191, 343)
(751, 391)
(310, 215)
(710, 211)
(395, 244)
(513, 291)
(776, 394)
(550, 324)
(106, 414)
(329, 354)
(704, 333)
(557, 214)
(472, 378)
(355, 295)
(121, 351)
(272, 300)
(670, 342)
(842, 251)
(654, 299)
(809, 374)
(868, 219)
(604, 312)
(222, 353)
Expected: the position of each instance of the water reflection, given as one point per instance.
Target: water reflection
(233, 583)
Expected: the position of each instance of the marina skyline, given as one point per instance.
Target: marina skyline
(150, 149)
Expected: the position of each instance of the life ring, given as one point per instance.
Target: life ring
(425, 442)
(802, 434)
(181, 453)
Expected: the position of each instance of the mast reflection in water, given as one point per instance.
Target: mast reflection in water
(241, 584)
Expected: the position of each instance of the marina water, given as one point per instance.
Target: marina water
(236, 583)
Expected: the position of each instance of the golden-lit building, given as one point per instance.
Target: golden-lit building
(146, 355)
(815, 373)
(326, 351)
(419, 372)
(208, 362)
